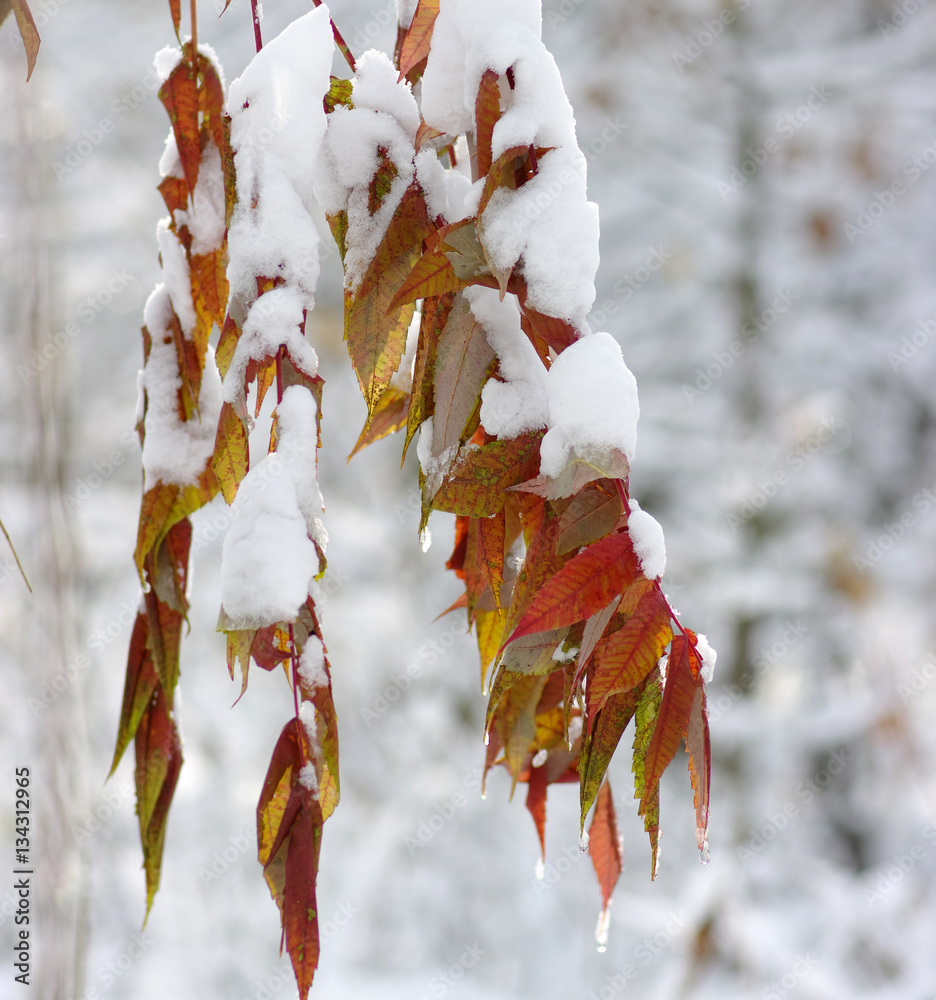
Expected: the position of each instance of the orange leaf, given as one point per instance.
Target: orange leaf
(141, 681)
(419, 37)
(536, 803)
(698, 747)
(604, 844)
(625, 657)
(175, 9)
(432, 274)
(584, 585)
(389, 416)
(179, 94)
(231, 455)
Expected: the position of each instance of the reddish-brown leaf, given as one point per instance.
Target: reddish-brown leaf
(698, 747)
(604, 844)
(389, 416)
(585, 518)
(432, 274)
(139, 685)
(490, 552)
(175, 9)
(415, 46)
(584, 585)
(487, 112)
(28, 32)
(536, 803)
(673, 721)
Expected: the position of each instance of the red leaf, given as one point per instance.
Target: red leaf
(179, 94)
(584, 585)
(673, 721)
(536, 803)
(604, 844)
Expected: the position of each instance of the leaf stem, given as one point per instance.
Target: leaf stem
(194, 19)
(258, 41)
(339, 41)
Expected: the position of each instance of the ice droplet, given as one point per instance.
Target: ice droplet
(541, 868)
(487, 738)
(540, 759)
(425, 539)
(601, 931)
(704, 856)
(583, 842)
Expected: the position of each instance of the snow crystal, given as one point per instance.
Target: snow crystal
(708, 657)
(593, 409)
(308, 778)
(517, 404)
(175, 273)
(312, 663)
(166, 60)
(307, 717)
(647, 536)
(376, 88)
(174, 451)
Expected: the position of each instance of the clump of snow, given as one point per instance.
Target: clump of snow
(448, 192)
(308, 778)
(518, 404)
(312, 663)
(166, 60)
(275, 319)
(593, 409)
(647, 536)
(268, 559)
(176, 277)
(384, 119)
(708, 657)
(174, 450)
(277, 125)
(205, 217)
(169, 163)
(527, 225)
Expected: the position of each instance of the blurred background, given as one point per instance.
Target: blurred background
(765, 176)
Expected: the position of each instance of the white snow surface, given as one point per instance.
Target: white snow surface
(268, 558)
(176, 277)
(277, 125)
(205, 216)
(552, 209)
(593, 409)
(647, 536)
(174, 451)
(518, 404)
(312, 663)
(384, 117)
(708, 657)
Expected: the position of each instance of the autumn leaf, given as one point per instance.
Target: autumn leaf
(625, 657)
(231, 457)
(27, 29)
(179, 94)
(586, 517)
(389, 416)
(418, 39)
(647, 712)
(584, 585)
(700, 766)
(141, 681)
(604, 844)
(487, 112)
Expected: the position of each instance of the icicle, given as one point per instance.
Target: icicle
(541, 869)
(487, 738)
(583, 842)
(601, 931)
(704, 855)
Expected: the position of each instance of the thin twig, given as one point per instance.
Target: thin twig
(15, 556)
(258, 41)
(339, 41)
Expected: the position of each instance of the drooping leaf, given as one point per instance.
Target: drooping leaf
(647, 712)
(586, 517)
(431, 275)
(389, 416)
(536, 803)
(231, 455)
(139, 685)
(175, 9)
(28, 32)
(487, 112)
(625, 657)
(418, 38)
(700, 766)
(604, 844)
(434, 316)
(584, 585)
(179, 94)
(464, 362)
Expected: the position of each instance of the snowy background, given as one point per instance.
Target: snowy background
(765, 179)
